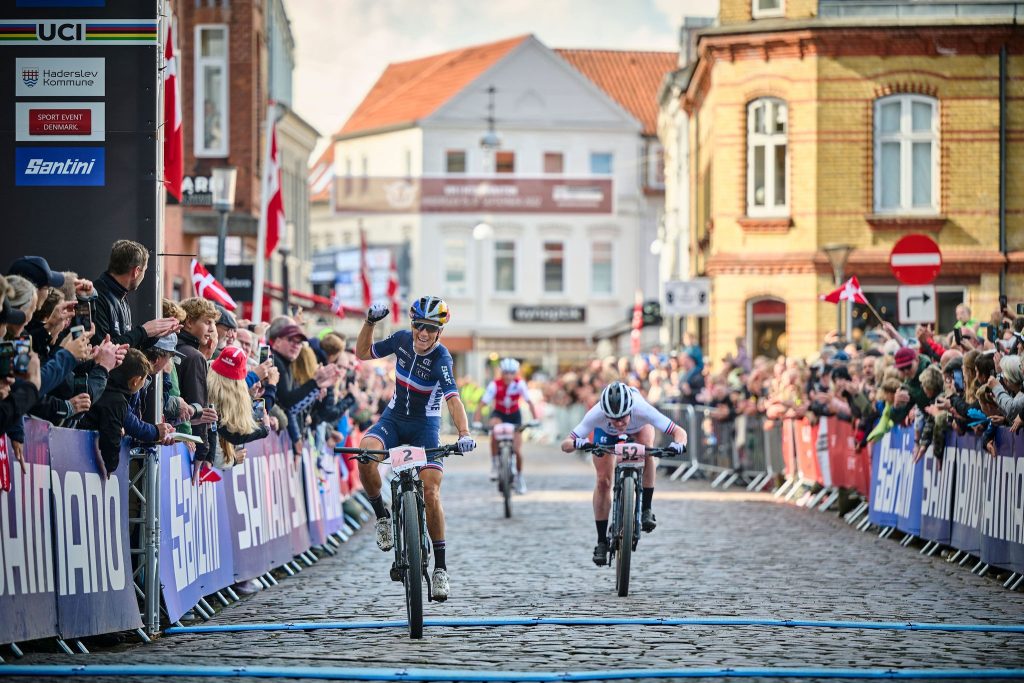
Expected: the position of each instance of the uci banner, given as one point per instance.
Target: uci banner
(195, 536)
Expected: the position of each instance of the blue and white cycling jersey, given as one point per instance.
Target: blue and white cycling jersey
(422, 382)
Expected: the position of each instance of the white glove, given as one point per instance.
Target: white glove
(679, 448)
(377, 312)
(580, 443)
(466, 444)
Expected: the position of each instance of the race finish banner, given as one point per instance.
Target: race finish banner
(79, 134)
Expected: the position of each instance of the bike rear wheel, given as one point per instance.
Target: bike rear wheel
(624, 553)
(413, 578)
(506, 478)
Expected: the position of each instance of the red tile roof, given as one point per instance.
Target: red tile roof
(409, 91)
(630, 78)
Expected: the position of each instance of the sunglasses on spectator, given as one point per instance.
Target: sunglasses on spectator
(296, 339)
(425, 326)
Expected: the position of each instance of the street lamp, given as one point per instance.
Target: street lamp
(837, 256)
(223, 189)
(284, 246)
(490, 141)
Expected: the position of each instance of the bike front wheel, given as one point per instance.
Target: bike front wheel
(506, 478)
(624, 553)
(413, 578)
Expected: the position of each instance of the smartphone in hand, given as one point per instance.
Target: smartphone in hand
(264, 353)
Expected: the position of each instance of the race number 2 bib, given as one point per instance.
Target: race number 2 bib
(407, 457)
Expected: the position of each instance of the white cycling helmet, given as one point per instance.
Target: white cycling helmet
(616, 400)
(509, 365)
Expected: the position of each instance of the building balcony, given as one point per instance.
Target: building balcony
(918, 9)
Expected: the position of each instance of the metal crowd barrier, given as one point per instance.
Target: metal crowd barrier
(724, 451)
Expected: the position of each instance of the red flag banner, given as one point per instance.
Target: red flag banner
(207, 287)
(174, 150)
(273, 197)
(364, 270)
(393, 290)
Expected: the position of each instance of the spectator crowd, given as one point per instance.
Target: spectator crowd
(72, 355)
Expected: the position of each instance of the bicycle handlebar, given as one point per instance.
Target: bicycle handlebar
(366, 454)
(486, 428)
(599, 450)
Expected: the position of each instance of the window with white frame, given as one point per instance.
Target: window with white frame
(764, 9)
(211, 91)
(767, 133)
(601, 163)
(601, 268)
(454, 258)
(504, 266)
(455, 161)
(554, 267)
(906, 154)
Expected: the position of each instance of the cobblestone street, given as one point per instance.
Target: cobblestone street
(713, 554)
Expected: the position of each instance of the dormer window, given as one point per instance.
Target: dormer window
(766, 9)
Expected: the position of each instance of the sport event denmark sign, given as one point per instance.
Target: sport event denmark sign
(470, 195)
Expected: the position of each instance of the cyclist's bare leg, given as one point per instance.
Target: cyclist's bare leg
(646, 437)
(517, 446)
(604, 468)
(431, 478)
(494, 441)
(369, 474)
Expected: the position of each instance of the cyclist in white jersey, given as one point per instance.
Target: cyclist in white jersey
(622, 412)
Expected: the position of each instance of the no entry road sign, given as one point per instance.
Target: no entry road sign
(916, 260)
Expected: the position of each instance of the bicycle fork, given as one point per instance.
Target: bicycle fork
(623, 478)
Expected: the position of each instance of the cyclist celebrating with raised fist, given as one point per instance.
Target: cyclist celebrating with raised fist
(622, 412)
(503, 395)
(424, 375)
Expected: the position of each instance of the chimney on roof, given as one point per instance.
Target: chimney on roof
(688, 37)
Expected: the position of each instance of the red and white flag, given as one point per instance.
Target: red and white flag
(393, 290)
(364, 270)
(337, 304)
(174, 146)
(637, 323)
(273, 200)
(207, 287)
(850, 291)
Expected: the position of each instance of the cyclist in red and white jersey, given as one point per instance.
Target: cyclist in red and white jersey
(622, 412)
(503, 395)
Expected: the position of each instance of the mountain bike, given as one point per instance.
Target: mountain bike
(409, 521)
(626, 502)
(504, 433)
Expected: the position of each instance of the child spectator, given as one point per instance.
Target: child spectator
(107, 414)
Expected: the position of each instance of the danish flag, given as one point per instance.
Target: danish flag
(208, 287)
(393, 290)
(174, 153)
(850, 291)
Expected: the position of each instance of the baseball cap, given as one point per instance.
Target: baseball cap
(169, 345)
(905, 357)
(11, 316)
(840, 372)
(290, 331)
(231, 363)
(36, 270)
(226, 318)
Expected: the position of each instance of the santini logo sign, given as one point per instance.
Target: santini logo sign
(78, 32)
(59, 166)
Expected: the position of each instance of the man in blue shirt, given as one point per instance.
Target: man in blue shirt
(424, 376)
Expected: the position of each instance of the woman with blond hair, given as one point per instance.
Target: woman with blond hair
(229, 394)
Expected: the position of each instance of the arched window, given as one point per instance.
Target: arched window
(767, 163)
(906, 154)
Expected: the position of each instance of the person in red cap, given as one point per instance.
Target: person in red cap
(910, 366)
(229, 394)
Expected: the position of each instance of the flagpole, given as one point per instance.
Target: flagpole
(261, 230)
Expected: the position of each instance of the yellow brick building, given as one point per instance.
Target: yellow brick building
(808, 127)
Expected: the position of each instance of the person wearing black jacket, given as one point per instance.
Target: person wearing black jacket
(111, 314)
(199, 326)
(107, 415)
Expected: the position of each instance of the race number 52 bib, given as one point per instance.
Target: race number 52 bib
(407, 457)
(631, 454)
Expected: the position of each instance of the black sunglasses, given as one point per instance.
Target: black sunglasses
(425, 326)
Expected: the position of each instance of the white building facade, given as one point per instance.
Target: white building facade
(540, 244)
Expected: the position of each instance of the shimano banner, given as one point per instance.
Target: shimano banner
(195, 537)
(266, 510)
(95, 591)
(896, 482)
(937, 495)
(1001, 498)
(28, 598)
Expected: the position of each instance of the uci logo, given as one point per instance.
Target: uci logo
(65, 32)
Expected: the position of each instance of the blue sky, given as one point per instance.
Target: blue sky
(342, 46)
